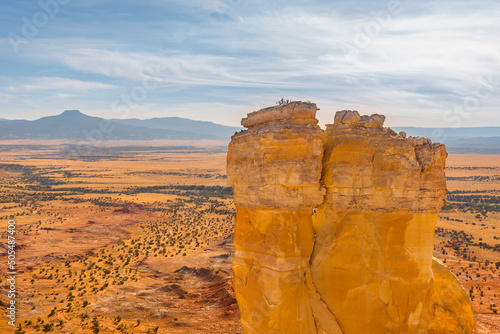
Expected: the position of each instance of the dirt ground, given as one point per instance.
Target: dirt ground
(468, 233)
(138, 239)
(130, 240)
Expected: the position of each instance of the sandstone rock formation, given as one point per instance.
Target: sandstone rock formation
(335, 229)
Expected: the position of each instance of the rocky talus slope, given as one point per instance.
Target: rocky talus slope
(335, 229)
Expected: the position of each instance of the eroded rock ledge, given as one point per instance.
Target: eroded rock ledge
(335, 229)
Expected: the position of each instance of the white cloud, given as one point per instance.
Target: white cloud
(164, 67)
(60, 84)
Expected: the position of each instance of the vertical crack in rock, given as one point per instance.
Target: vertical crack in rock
(362, 263)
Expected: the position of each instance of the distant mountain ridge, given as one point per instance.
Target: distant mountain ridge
(74, 125)
(480, 140)
(436, 133)
(181, 124)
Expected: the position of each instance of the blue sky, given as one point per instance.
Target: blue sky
(420, 63)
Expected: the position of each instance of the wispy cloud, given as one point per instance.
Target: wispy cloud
(60, 84)
(177, 67)
(173, 67)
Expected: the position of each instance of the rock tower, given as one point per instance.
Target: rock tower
(335, 229)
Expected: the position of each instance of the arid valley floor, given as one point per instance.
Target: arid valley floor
(137, 239)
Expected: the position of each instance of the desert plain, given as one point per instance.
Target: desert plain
(137, 238)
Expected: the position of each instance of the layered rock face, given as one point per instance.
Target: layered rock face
(335, 229)
(375, 228)
(275, 169)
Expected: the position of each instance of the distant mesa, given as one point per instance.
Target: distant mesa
(72, 113)
(74, 125)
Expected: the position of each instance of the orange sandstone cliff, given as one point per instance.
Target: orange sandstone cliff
(335, 229)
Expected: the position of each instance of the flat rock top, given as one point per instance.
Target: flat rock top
(295, 109)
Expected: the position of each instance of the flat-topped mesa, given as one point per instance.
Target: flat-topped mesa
(334, 229)
(295, 110)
